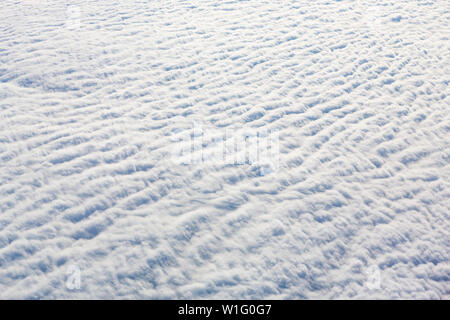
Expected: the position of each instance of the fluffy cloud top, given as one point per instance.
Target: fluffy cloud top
(94, 204)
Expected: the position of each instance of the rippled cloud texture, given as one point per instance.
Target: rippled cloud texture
(96, 97)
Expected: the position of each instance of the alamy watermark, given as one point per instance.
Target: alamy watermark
(73, 17)
(238, 146)
(373, 280)
(73, 281)
(372, 14)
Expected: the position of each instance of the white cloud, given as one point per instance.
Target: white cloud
(91, 107)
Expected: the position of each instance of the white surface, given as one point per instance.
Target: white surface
(92, 93)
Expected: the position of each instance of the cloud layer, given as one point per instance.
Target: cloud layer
(93, 94)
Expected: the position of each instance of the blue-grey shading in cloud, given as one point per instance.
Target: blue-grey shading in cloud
(93, 93)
